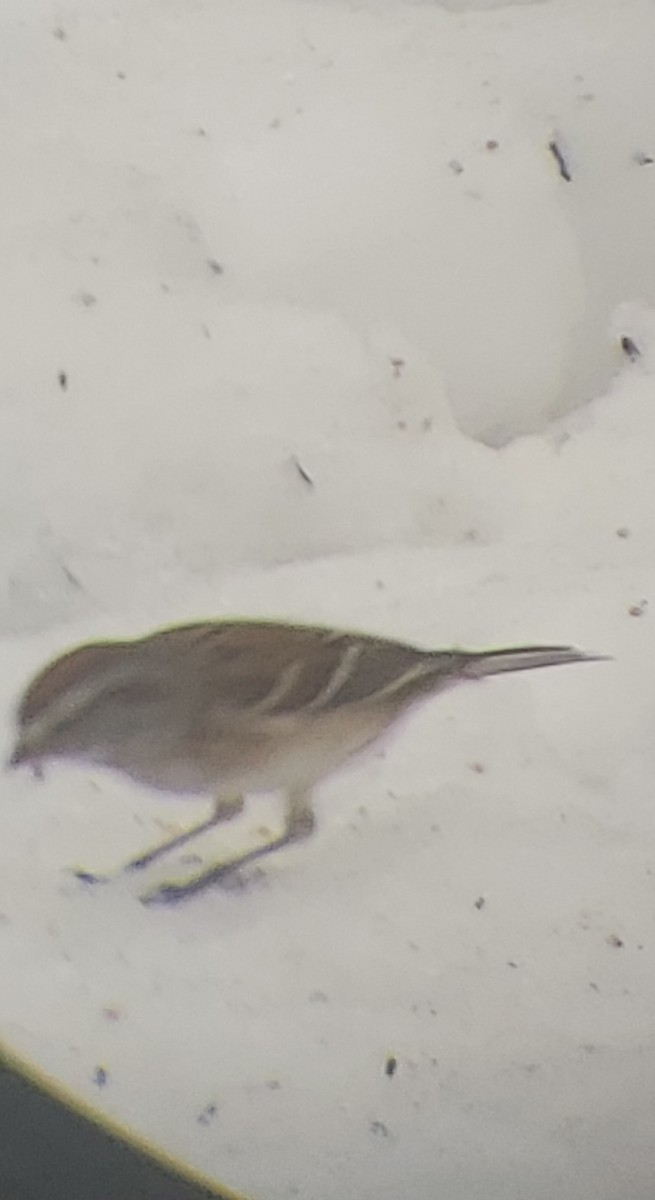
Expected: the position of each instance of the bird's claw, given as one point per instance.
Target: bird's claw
(88, 877)
(167, 893)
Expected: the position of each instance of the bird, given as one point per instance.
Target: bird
(227, 708)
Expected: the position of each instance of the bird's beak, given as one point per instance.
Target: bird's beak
(18, 756)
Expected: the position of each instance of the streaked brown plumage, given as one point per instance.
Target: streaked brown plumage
(231, 707)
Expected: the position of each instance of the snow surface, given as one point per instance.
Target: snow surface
(301, 319)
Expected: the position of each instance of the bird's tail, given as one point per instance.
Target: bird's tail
(474, 665)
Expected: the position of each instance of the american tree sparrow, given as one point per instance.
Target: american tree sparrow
(232, 707)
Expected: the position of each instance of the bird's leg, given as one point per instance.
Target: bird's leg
(299, 824)
(224, 809)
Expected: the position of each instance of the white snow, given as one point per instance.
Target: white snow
(301, 319)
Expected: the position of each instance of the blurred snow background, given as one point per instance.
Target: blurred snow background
(301, 317)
